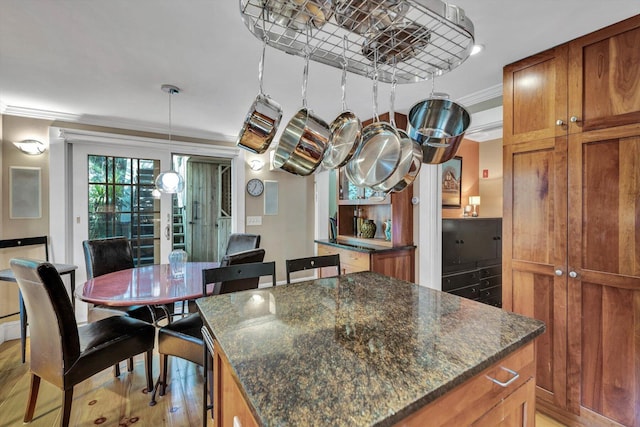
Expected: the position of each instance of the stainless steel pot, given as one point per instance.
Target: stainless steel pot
(305, 138)
(262, 120)
(408, 167)
(377, 156)
(438, 124)
(302, 144)
(346, 129)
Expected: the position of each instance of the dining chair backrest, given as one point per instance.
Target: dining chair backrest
(240, 242)
(27, 241)
(309, 263)
(239, 272)
(104, 256)
(52, 323)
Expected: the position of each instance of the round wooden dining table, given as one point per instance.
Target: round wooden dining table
(145, 285)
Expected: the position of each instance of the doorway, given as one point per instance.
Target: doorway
(202, 214)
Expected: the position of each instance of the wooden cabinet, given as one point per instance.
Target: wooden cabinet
(482, 402)
(230, 406)
(571, 251)
(396, 262)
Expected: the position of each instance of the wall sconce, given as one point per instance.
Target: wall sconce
(32, 147)
(475, 202)
(256, 164)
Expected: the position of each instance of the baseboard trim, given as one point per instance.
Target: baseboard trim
(9, 331)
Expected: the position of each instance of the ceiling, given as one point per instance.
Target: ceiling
(103, 62)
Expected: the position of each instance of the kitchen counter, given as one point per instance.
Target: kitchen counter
(361, 349)
(368, 248)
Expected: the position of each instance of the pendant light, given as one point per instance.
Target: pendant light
(170, 182)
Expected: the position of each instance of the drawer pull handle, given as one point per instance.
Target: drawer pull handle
(505, 384)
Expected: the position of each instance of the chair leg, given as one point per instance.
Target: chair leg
(23, 326)
(163, 373)
(33, 396)
(205, 388)
(162, 377)
(116, 370)
(67, 398)
(148, 364)
(130, 364)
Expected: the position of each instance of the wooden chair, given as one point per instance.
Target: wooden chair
(183, 337)
(309, 263)
(21, 242)
(63, 353)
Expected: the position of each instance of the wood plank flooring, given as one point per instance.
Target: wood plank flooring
(103, 399)
(108, 401)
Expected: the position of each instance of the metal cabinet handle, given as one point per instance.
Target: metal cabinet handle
(505, 384)
(573, 274)
(558, 272)
(559, 122)
(574, 119)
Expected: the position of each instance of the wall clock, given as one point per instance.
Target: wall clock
(255, 187)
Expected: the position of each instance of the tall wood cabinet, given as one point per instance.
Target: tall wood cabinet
(571, 226)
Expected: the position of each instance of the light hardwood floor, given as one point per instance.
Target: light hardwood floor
(105, 400)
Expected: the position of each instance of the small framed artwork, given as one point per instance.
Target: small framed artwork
(452, 183)
(25, 193)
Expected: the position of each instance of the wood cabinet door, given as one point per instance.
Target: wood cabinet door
(516, 410)
(604, 275)
(534, 252)
(535, 97)
(604, 78)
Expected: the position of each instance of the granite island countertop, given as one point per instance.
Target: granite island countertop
(361, 349)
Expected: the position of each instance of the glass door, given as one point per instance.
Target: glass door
(113, 196)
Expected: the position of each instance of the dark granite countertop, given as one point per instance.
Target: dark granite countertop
(359, 350)
(368, 248)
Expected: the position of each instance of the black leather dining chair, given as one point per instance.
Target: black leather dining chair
(309, 263)
(63, 353)
(103, 256)
(183, 337)
(240, 242)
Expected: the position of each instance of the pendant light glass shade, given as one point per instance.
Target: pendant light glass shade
(170, 182)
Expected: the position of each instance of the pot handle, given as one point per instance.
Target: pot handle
(392, 101)
(261, 64)
(344, 74)
(305, 73)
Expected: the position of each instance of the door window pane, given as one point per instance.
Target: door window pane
(121, 203)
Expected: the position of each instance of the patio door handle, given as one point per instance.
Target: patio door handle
(167, 232)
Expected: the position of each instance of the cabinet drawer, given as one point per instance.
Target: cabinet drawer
(357, 261)
(471, 292)
(454, 281)
(491, 282)
(496, 270)
(491, 293)
(475, 397)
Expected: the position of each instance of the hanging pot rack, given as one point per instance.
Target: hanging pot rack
(425, 38)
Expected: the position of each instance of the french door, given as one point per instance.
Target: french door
(113, 196)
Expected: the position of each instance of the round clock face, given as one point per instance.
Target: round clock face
(255, 187)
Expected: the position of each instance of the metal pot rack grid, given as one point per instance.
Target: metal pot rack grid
(427, 38)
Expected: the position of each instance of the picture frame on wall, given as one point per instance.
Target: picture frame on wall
(25, 193)
(452, 183)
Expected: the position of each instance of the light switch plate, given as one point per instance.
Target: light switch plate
(254, 220)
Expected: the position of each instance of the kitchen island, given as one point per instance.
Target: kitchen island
(365, 349)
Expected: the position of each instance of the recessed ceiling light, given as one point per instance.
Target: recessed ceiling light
(476, 49)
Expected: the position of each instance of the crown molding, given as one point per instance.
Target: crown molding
(34, 113)
(482, 95)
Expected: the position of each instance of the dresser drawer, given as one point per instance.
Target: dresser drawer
(471, 292)
(491, 282)
(491, 293)
(495, 270)
(455, 281)
(350, 261)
